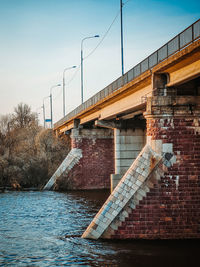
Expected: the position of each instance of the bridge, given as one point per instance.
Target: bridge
(140, 136)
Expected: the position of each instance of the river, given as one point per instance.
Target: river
(44, 229)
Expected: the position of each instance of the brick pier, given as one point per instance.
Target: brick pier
(171, 209)
(97, 162)
(159, 196)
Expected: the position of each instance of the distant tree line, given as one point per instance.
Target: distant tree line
(29, 154)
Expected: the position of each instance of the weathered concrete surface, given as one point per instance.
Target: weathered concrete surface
(128, 144)
(68, 163)
(114, 180)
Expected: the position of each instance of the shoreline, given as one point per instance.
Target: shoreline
(10, 189)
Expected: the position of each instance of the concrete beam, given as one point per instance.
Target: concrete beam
(131, 115)
(108, 124)
(76, 123)
(186, 70)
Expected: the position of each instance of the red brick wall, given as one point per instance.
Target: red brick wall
(172, 208)
(94, 169)
(97, 163)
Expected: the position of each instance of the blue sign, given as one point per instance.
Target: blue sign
(48, 120)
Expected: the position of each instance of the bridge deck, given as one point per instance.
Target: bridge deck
(139, 77)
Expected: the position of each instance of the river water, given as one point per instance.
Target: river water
(44, 229)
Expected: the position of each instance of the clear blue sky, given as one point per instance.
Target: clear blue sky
(39, 38)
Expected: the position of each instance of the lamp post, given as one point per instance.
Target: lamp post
(38, 113)
(64, 87)
(51, 106)
(43, 107)
(122, 45)
(82, 63)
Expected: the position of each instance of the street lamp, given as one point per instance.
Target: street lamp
(82, 63)
(64, 88)
(51, 103)
(38, 113)
(43, 107)
(122, 43)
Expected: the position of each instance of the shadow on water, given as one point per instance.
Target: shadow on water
(45, 228)
(165, 253)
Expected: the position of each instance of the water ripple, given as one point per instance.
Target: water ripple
(45, 228)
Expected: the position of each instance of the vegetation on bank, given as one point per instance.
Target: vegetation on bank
(29, 154)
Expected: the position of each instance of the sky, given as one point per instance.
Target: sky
(40, 38)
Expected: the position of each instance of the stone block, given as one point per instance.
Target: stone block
(141, 178)
(138, 182)
(123, 170)
(142, 192)
(131, 139)
(167, 148)
(99, 229)
(126, 154)
(131, 147)
(135, 186)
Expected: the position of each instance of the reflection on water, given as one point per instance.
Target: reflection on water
(45, 228)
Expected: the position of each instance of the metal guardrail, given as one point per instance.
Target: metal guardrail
(176, 44)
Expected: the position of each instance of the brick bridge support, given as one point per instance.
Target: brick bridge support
(159, 196)
(97, 163)
(171, 209)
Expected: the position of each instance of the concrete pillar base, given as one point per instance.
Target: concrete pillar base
(114, 180)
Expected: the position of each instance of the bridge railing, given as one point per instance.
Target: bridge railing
(180, 41)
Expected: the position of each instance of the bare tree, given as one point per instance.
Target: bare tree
(23, 117)
(29, 154)
(5, 127)
(5, 123)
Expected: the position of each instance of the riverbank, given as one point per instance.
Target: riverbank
(8, 189)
